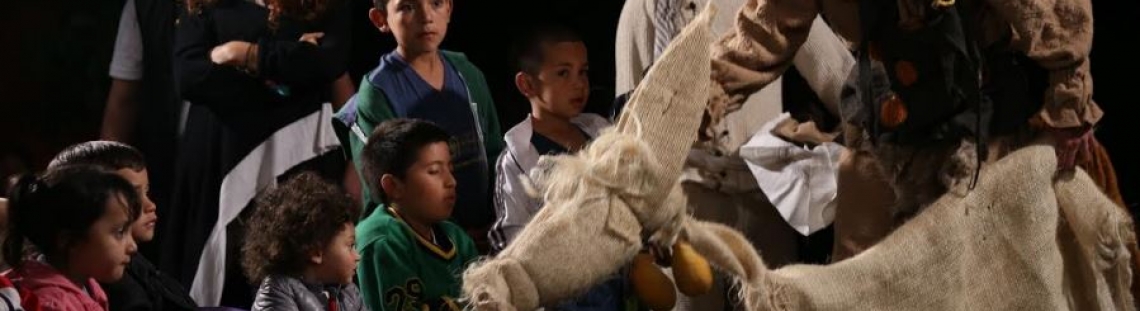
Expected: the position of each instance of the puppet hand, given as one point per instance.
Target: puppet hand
(1070, 144)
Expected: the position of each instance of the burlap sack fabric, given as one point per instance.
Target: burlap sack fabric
(1024, 239)
(601, 203)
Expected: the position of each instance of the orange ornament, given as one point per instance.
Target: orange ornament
(893, 112)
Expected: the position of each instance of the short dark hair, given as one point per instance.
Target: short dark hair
(394, 146)
(381, 5)
(300, 215)
(109, 155)
(527, 52)
(63, 203)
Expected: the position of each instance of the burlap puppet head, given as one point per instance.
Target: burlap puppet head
(602, 203)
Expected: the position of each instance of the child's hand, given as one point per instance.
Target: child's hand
(312, 37)
(230, 53)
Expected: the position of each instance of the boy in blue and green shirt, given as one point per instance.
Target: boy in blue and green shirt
(418, 80)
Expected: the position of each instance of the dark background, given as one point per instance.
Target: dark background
(54, 56)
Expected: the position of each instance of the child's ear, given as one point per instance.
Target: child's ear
(316, 256)
(379, 19)
(524, 84)
(392, 186)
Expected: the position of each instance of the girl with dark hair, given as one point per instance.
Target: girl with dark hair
(77, 221)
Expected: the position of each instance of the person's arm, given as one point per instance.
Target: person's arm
(492, 134)
(200, 79)
(1058, 36)
(513, 206)
(341, 90)
(825, 63)
(120, 112)
(296, 62)
(767, 35)
(125, 70)
(370, 273)
(633, 50)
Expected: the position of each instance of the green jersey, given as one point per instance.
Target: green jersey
(400, 270)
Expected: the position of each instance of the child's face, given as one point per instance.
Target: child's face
(562, 85)
(418, 25)
(106, 249)
(427, 191)
(337, 263)
(143, 228)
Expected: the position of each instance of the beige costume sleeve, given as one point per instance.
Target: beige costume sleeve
(1058, 35)
(825, 63)
(634, 44)
(768, 33)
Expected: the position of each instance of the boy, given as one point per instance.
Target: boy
(142, 286)
(553, 75)
(418, 80)
(411, 256)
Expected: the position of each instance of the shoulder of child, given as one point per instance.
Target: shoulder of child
(57, 299)
(461, 63)
(593, 119)
(351, 298)
(380, 232)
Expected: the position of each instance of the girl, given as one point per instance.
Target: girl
(78, 219)
(300, 245)
(142, 287)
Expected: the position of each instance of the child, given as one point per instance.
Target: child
(143, 287)
(553, 75)
(412, 256)
(300, 245)
(418, 80)
(79, 221)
